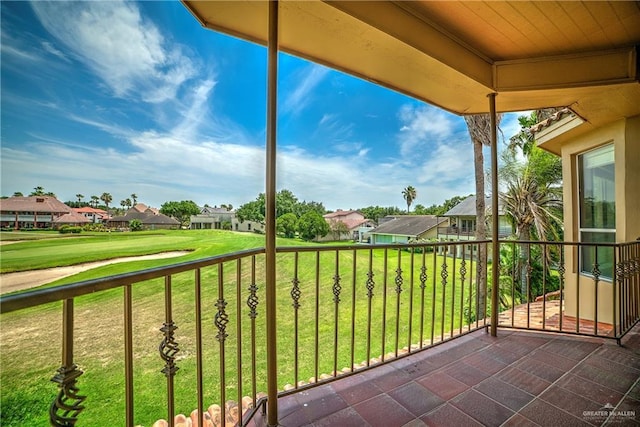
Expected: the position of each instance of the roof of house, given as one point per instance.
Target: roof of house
(46, 204)
(340, 213)
(409, 225)
(351, 223)
(146, 217)
(89, 209)
(467, 207)
(208, 210)
(72, 218)
(555, 117)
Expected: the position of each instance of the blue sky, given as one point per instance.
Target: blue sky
(126, 97)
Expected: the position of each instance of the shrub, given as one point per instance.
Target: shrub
(66, 229)
(135, 225)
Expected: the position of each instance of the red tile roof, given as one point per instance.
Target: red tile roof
(88, 209)
(46, 204)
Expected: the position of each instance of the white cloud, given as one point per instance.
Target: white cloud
(303, 82)
(422, 125)
(117, 44)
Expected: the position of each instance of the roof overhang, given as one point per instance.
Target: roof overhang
(453, 54)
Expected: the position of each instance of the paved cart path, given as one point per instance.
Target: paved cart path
(21, 280)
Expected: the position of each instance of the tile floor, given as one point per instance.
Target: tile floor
(520, 378)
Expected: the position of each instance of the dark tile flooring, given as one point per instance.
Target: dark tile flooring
(519, 378)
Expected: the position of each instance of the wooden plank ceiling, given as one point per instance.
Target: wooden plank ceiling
(534, 54)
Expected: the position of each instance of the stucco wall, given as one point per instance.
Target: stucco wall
(625, 135)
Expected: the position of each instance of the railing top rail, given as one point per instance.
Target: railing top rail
(565, 243)
(14, 302)
(367, 246)
(19, 301)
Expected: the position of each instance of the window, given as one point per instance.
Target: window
(596, 182)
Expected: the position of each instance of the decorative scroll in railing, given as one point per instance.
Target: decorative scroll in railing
(339, 309)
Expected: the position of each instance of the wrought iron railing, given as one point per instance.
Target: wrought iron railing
(340, 309)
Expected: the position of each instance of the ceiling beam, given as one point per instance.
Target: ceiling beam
(567, 71)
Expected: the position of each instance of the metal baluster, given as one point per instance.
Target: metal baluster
(353, 309)
(443, 275)
(239, 335)
(169, 349)
(220, 322)
(596, 279)
(463, 273)
(295, 297)
(336, 300)
(252, 303)
(453, 290)
(317, 313)
(67, 406)
(423, 286)
(561, 273)
(398, 281)
(199, 365)
(385, 273)
(529, 271)
(370, 285)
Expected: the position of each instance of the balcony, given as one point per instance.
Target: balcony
(377, 335)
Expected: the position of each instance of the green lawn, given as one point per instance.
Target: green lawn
(31, 338)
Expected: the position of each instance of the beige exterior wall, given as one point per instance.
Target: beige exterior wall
(625, 135)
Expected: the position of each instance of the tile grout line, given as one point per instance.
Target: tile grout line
(555, 382)
(621, 400)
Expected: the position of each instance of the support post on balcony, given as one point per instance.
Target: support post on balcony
(270, 216)
(495, 256)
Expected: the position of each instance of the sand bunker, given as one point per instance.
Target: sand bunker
(21, 280)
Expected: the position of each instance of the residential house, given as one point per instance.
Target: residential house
(214, 218)
(356, 226)
(601, 194)
(96, 216)
(151, 219)
(406, 228)
(462, 221)
(31, 212)
(462, 224)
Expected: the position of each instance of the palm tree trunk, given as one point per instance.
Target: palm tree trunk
(524, 234)
(481, 229)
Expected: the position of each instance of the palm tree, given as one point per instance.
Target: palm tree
(106, 198)
(134, 198)
(479, 127)
(533, 197)
(128, 202)
(79, 197)
(534, 211)
(37, 191)
(94, 201)
(409, 195)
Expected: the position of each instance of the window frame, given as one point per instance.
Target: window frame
(602, 253)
